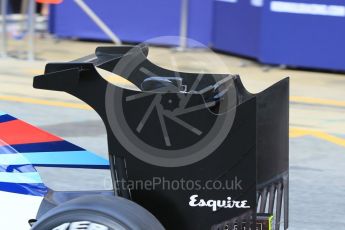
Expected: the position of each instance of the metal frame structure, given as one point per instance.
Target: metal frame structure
(31, 12)
(4, 4)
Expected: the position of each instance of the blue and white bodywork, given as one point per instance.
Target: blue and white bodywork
(22, 147)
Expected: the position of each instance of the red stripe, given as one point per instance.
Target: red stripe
(18, 132)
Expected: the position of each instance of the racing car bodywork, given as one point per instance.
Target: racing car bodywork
(22, 147)
(165, 129)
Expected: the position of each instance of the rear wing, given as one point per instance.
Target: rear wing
(211, 130)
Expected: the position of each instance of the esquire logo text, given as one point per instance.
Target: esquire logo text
(195, 201)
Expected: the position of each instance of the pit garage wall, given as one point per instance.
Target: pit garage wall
(304, 33)
(298, 33)
(236, 26)
(133, 20)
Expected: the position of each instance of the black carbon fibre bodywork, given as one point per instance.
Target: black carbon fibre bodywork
(215, 130)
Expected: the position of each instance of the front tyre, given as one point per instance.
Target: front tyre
(98, 212)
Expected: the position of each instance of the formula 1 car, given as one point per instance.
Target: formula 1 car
(186, 151)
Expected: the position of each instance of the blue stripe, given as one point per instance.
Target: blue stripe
(17, 168)
(5, 149)
(46, 147)
(28, 189)
(68, 158)
(6, 117)
(18, 177)
(105, 166)
(14, 159)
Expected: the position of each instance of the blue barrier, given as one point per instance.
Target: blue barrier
(133, 21)
(308, 33)
(301, 33)
(236, 27)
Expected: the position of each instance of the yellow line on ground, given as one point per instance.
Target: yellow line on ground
(299, 132)
(317, 101)
(36, 71)
(82, 106)
(294, 131)
(45, 102)
(297, 99)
